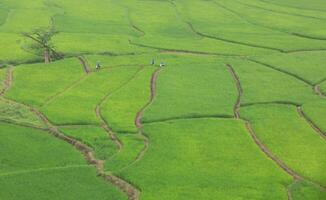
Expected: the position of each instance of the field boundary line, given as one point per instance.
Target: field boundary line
(232, 41)
(311, 123)
(273, 29)
(103, 123)
(318, 91)
(268, 153)
(183, 51)
(282, 71)
(188, 118)
(253, 135)
(131, 191)
(138, 118)
(52, 98)
(43, 169)
(85, 64)
(8, 81)
(280, 12)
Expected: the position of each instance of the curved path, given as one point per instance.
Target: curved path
(319, 92)
(263, 148)
(131, 191)
(311, 123)
(85, 64)
(140, 114)
(253, 134)
(8, 81)
(104, 123)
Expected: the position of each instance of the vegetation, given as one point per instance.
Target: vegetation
(162, 100)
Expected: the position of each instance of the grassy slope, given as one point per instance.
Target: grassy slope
(43, 81)
(33, 167)
(290, 138)
(180, 164)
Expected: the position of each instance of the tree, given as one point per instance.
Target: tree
(41, 43)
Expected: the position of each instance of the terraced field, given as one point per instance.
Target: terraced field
(236, 112)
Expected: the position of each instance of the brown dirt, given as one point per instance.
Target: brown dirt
(132, 192)
(8, 81)
(107, 129)
(236, 79)
(140, 114)
(311, 123)
(289, 195)
(318, 91)
(85, 64)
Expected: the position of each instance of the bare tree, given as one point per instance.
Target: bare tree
(41, 43)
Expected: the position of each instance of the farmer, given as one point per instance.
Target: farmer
(98, 65)
(162, 64)
(153, 62)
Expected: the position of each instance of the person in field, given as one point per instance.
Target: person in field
(162, 64)
(98, 65)
(153, 62)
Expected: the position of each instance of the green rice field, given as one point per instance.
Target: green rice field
(163, 100)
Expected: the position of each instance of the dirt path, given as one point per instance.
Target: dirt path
(85, 64)
(140, 114)
(131, 191)
(319, 92)
(42, 170)
(236, 79)
(8, 81)
(262, 147)
(160, 49)
(311, 123)
(103, 122)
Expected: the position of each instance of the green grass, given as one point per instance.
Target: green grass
(307, 65)
(214, 92)
(133, 144)
(303, 190)
(279, 21)
(43, 81)
(78, 105)
(316, 111)
(16, 113)
(231, 26)
(75, 183)
(205, 159)
(263, 84)
(95, 137)
(290, 138)
(190, 155)
(323, 87)
(121, 107)
(28, 149)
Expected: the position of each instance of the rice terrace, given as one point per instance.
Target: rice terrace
(162, 100)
